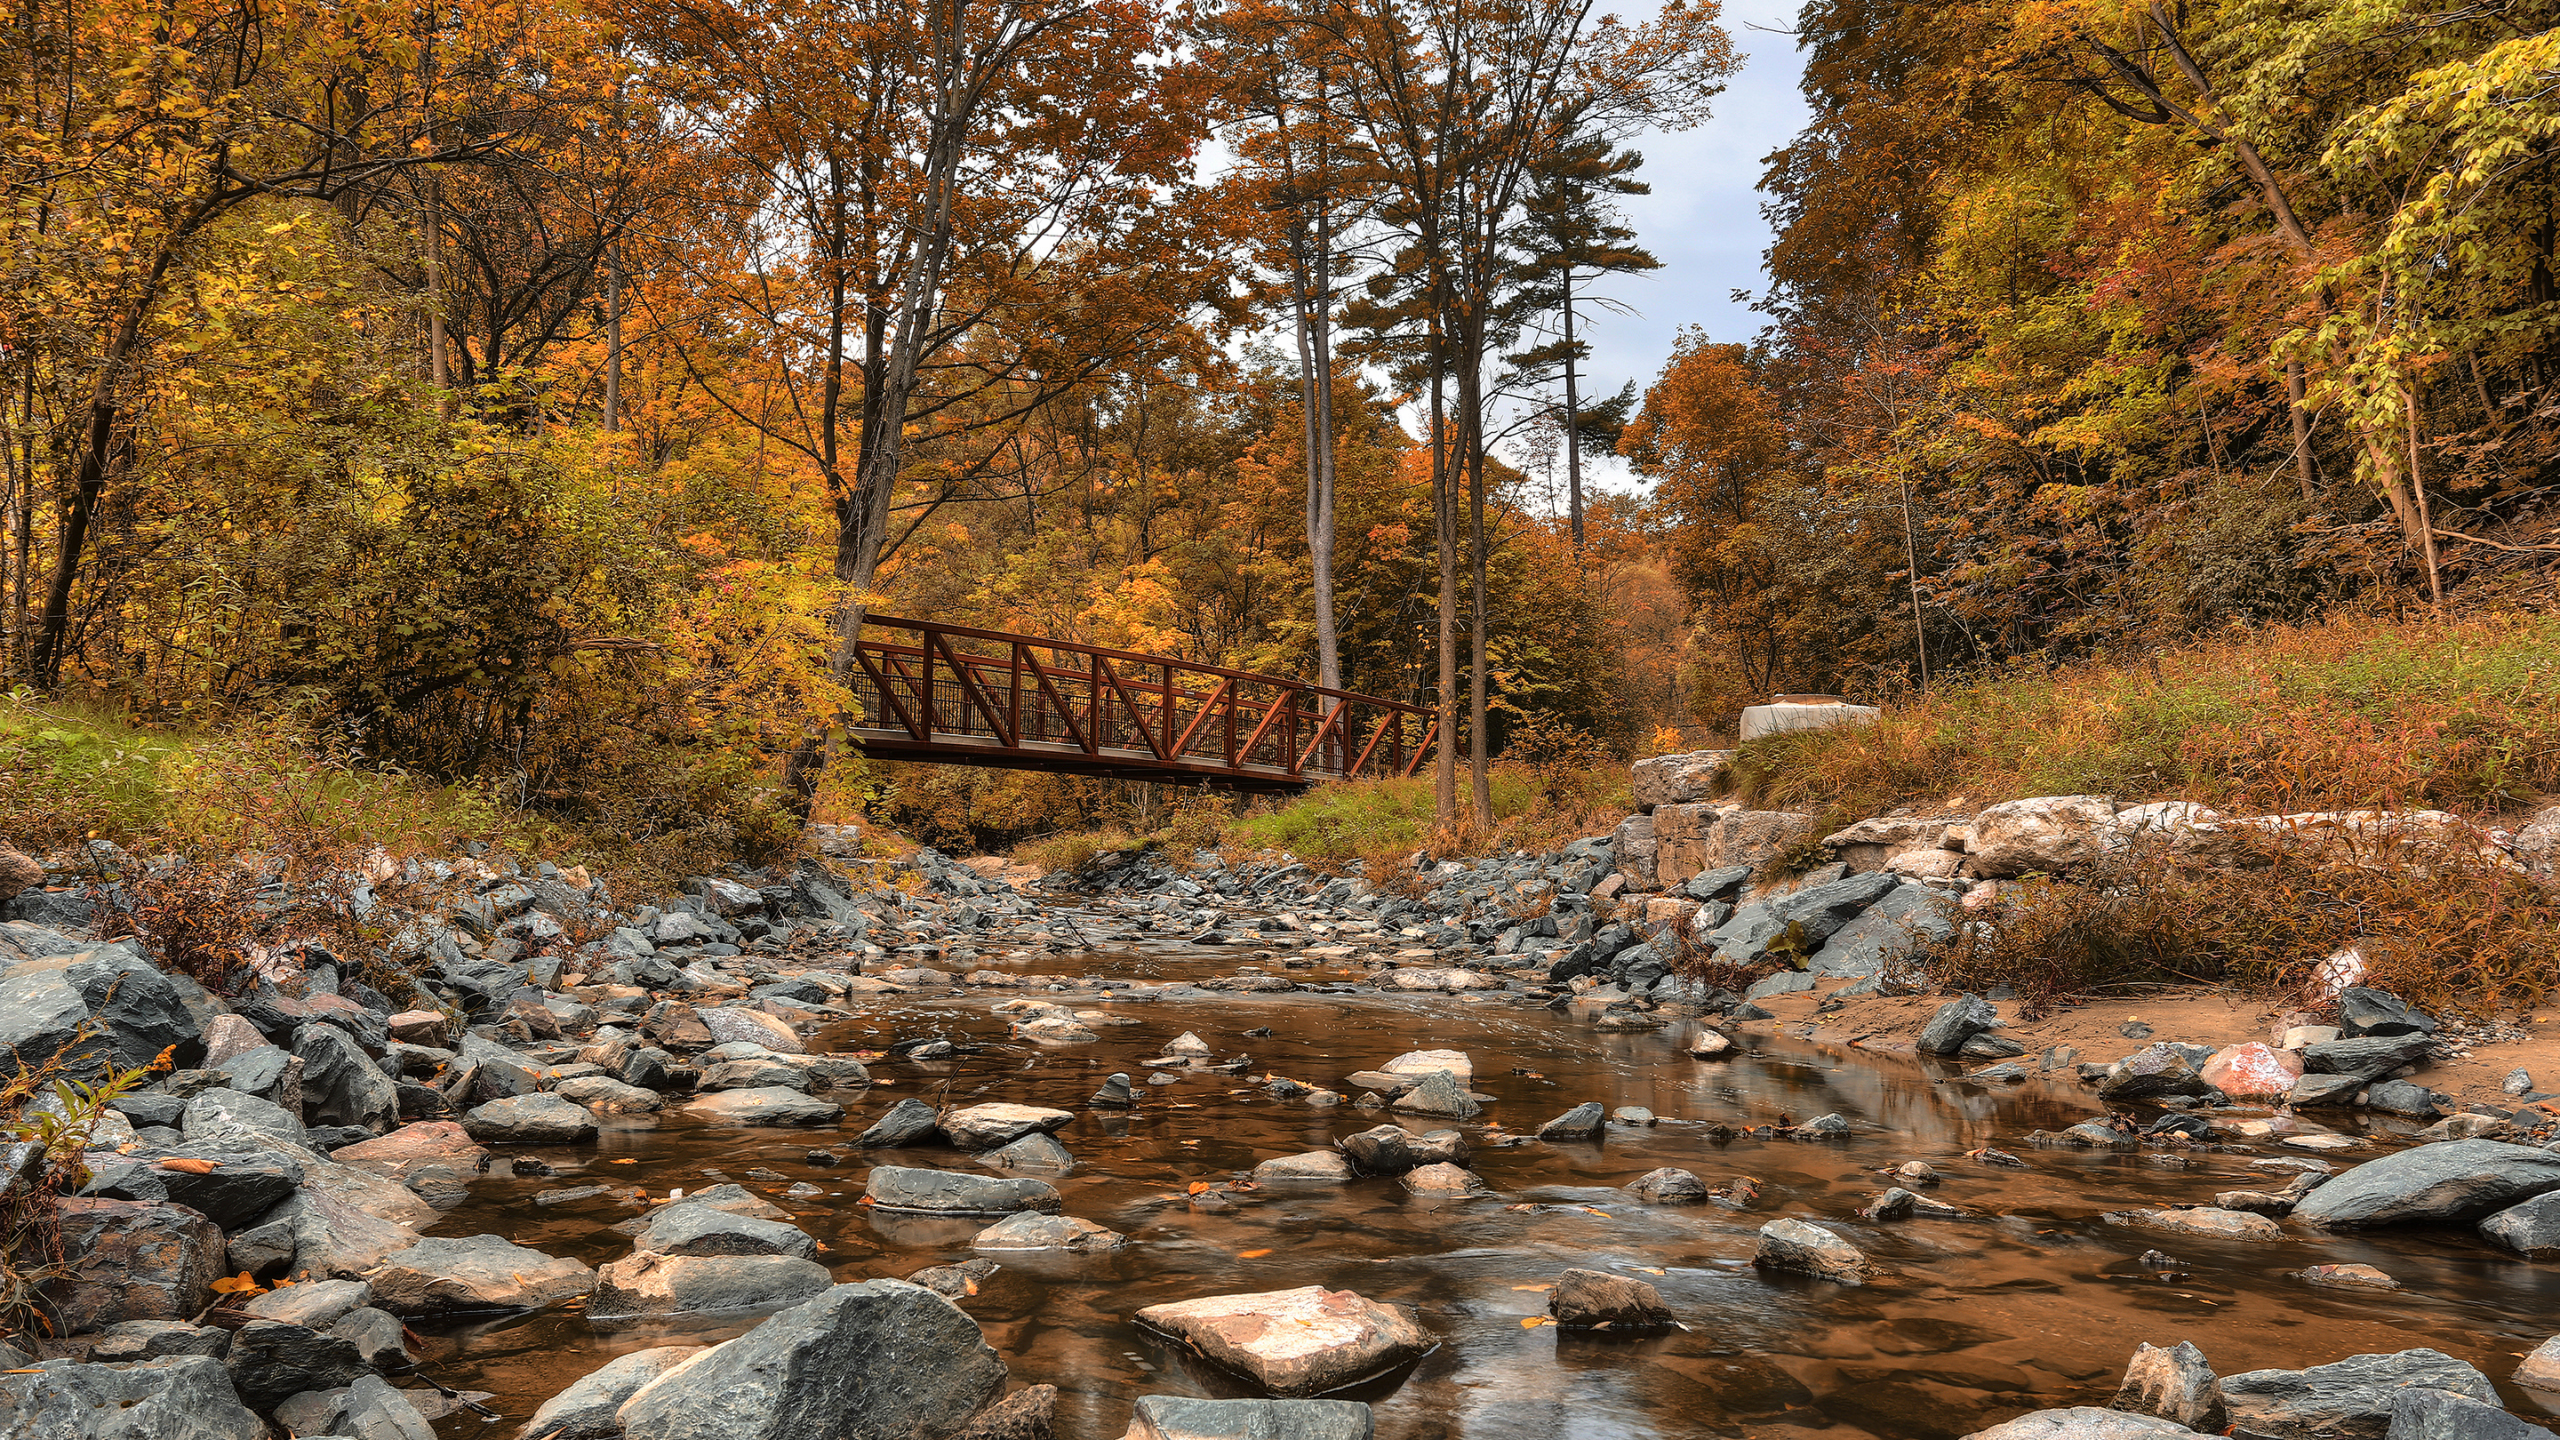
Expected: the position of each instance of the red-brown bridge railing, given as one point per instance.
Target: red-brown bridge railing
(957, 696)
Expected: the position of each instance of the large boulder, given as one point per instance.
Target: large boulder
(104, 1005)
(460, 1275)
(687, 1228)
(1684, 779)
(227, 1117)
(273, 1359)
(1181, 1417)
(2051, 833)
(755, 1026)
(133, 1260)
(1632, 846)
(879, 1360)
(2253, 1070)
(766, 1105)
(181, 1397)
(902, 1190)
(2449, 1182)
(340, 1084)
(315, 1235)
(236, 1189)
(2366, 1057)
(1295, 1342)
(2350, 1399)
(2531, 1229)
(2150, 1073)
(2423, 1414)
(586, 1409)
(1956, 1022)
(367, 1408)
(647, 1283)
(421, 1146)
(1751, 837)
(1795, 926)
(1901, 922)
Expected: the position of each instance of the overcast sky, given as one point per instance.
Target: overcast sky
(1703, 218)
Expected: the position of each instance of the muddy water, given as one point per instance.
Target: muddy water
(2036, 1303)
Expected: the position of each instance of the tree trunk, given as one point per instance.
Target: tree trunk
(2301, 430)
(1471, 433)
(1320, 536)
(1572, 422)
(613, 343)
(1444, 514)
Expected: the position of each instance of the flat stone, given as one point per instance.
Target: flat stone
(181, 1397)
(2217, 1224)
(752, 1073)
(130, 1340)
(317, 1304)
(1317, 1165)
(537, 1119)
(1032, 1231)
(2083, 1422)
(1035, 1151)
(1423, 1062)
(690, 1228)
(2350, 1398)
(985, 1127)
(754, 1026)
(2453, 1182)
(2540, 1370)
(234, 1192)
(768, 1105)
(1442, 1180)
(1588, 1299)
(1295, 1342)
(900, 1189)
(2367, 1058)
(648, 1283)
(1793, 1245)
(444, 1276)
(2349, 1277)
(586, 1409)
(605, 1095)
(878, 1360)
(1182, 1417)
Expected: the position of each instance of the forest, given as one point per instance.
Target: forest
(538, 398)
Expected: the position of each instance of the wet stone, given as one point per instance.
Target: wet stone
(909, 1122)
(1585, 1121)
(945, 1192)
(1586, 1299)
(1182, 1417)
(1794, 1245)
(1668, 1186)
(2174, 1384)
(1030, 1231)
(1294, 1342)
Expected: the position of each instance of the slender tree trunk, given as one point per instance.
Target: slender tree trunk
(2301, 415)
(1572, 421)
(1911, 557)
(1471, 433)
(1444, 758)
(613, 342)
(1320, 535)
(2426, 518)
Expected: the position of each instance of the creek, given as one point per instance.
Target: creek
(2036, 1301)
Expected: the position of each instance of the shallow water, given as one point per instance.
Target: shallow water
(2038, 1302)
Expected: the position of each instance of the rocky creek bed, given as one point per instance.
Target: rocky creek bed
(851, 1086)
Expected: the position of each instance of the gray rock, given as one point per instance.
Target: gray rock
(133, 1260)
(2366, 1058)
(1393, 1150)
(1668, 1186)
(586, 1409)
(879, 1360)
(752, 1073)
(340, 1084)
(444, 1276)
(1785, 982)
(606, 1095)
(1585, 1121)
(1438, 1094)
(1799, 923)
(266, 1071)
(182, 1397)
(2519, 1081)
(318, 1304)
(2405, 1097)
(698, 1230)
(2350, 1399)
(909, 1122)
(130, 1340)
(2151, 1073)
(367, 1409)
(94, 1006)
(271, 1360)
(1036, 1151)
(2082, 1422)
(1442, 1180)
(316, 1235)
(1180, 1417)
(766, 1105)
(537, 1119)
(235, 1192)
(1298, 1342)
(985, 1127)
(1115, 1094)
(2531, 1229)
(1903, 921)
(648, 1283)
(901, 1190)
(2455, 1181)
(227, 1117)
(2173, 1384)
(1033, 1231)
(2317, 1090)
(1793, 1245)
(2442, 1415)
(1329, 1166)
(2363, 1010)
(377, 1336)
(1586, 1299)
(1956, 1022)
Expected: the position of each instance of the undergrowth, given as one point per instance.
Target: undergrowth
(41, 1151)
(2443, 927)
(2460, 715)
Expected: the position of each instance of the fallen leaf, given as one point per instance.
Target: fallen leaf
(190, 1165)
(1198, 1187)
(622, 1162)
(1251, 1254)
(1541, 1289)
(1532, 1322)
(239, 1284)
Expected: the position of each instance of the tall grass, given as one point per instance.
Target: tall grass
(2459, 715)
(1534, 808)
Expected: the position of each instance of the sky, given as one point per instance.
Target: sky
(1703, 218)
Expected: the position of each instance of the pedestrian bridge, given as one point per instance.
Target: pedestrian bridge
(951, 695)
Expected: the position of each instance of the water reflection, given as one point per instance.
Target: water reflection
(2035, 1302)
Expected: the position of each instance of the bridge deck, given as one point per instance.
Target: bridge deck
(951, 695)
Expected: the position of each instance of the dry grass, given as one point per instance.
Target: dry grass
(2461, 715)
(2444, 928)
